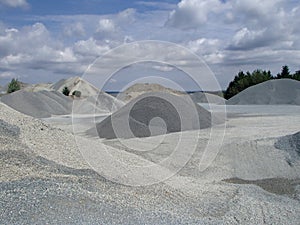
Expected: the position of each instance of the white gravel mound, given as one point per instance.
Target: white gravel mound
(43, 104)
(38, 87)
(102, 103)
(39, 104)
(76, 84)
(138, 89)
(273, 92)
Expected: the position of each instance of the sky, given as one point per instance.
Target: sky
(44, 41)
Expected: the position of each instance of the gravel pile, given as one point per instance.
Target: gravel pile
(273, 92)
(2, 90)
(141, 88)
(290, 144)
(200, 97)
(38, 104)
(101, 103)
(43, 104)
(44, 180)
(154, 114)
(76, 84)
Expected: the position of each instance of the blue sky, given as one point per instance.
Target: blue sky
(44, 41)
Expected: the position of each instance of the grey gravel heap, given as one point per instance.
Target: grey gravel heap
(272, 92)
(179, 113)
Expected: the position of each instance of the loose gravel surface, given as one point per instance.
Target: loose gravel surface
(44, 179)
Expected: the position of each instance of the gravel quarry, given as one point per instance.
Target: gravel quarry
(253, 178)
(44, 178)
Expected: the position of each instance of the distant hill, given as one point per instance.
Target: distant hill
(272, 92)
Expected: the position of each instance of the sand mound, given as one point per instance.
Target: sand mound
(38, 104)
(273, 92)
(154, 114)
(200, 97)
(102, 103)
(76, 84)
(138, 89)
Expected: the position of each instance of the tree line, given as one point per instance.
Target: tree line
(244, 80)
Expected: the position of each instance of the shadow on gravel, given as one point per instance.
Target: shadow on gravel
(279, 186)
(38, 163)
(291, 145)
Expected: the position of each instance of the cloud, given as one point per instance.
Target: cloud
(32, 47)
(209, 49)
(263, 23)
(246, 39)
(163, 68)
(193, 13)
(156, 5)
(229, 35)
(106, 25)
(90, 48)
(14, 3)
(125, 17)
(7, 74)
(75, 29)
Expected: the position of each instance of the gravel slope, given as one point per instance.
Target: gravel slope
(38, 104)
(273, 92)
(138, 89)
(43, 104)
(179, 113)
(76, 84)
(45, 180)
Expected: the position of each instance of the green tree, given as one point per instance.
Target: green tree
(242, 81)
(285, 73)
(66, 91)
(296, 76)
(13, 86)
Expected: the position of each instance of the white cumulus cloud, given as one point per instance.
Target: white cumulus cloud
(193, 13)
(14, 3)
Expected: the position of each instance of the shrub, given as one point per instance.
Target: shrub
(13, 86)
(76, 94)
(66, 91)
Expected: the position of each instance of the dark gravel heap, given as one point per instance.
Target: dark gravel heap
(290, 144)
(177, 113)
